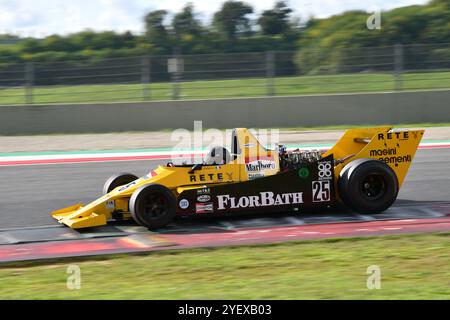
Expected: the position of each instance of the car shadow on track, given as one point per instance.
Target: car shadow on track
(402, 209)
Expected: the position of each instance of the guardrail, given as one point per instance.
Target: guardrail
(269, 112)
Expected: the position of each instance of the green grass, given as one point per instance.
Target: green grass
(229, 88)
(412, 267)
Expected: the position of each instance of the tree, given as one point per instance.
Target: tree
(184, 23)
(83, 40)
(232, 19)
(156, 32)
(30, 45)
(275, 20)
(54, 43)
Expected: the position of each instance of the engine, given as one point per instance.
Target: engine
(294, 159)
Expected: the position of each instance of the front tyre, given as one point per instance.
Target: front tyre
(368, 186)
(118, 180)
(153, 206)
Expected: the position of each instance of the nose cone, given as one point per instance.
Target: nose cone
(76, 218)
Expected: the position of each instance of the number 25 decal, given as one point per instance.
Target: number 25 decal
(321, 191)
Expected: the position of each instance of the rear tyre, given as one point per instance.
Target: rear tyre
(368, 186)
(153, 206)
(118, 180)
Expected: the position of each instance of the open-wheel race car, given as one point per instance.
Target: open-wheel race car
(364, 170)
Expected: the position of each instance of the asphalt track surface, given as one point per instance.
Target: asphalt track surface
(29, 193)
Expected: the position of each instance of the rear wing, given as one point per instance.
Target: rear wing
(394, 147)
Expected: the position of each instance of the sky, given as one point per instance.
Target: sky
(39, 18)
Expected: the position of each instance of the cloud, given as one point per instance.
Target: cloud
(39, 18)
(44, 17)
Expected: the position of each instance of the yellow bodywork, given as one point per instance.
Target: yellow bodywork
(400, 148)
(394, 147)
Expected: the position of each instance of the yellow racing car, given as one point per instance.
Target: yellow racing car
(364, 170)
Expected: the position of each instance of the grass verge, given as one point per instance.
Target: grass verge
(239, 88)
(412, 267)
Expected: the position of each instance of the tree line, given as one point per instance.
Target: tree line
(233, 28)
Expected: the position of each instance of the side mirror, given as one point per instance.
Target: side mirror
(197, 166)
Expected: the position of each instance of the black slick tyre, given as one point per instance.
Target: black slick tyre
(368, 186)
(118, 180)
(153, 206)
